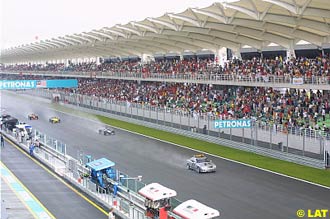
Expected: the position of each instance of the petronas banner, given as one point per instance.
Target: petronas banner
(32, 84)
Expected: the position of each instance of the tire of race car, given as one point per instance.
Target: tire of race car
(198, 170)
(188, 167)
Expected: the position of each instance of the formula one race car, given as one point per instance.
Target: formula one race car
(106, 131)
(54, 119)
(33, 116)
(201, 164)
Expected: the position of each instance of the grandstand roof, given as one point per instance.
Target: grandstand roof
(255, 23)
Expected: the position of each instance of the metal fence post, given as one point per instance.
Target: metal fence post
(172, 119)
(251, 139)
(321, 146)
(208, 125)
(137, 112)
(287, 141)
(243, 135)
(256, 139)
(180, 121)
(189, 121)
(197, 123)
(270, 137)
(157, 114)
(303, 151)
(131, 111)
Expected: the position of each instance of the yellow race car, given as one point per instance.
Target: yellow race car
(54, 119)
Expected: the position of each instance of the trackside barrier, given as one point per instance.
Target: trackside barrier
(298, 141)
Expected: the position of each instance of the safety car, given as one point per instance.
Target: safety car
(106, 131)
(200, 164)
(54, 119)
(33, 116)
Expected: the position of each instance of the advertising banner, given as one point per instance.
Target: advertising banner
(17, 84)
(222, 124)
(32, 84)
(297, 81)
(68, 83)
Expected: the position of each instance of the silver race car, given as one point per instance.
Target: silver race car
(106, 131)
(200, 164)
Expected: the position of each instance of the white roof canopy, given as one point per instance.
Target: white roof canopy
(193, 209)
(155, 192)
(255, 23)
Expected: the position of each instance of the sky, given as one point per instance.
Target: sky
(26, 21)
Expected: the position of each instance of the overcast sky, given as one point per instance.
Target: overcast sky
(24, 20)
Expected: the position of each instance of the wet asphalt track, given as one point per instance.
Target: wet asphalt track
(236, 190)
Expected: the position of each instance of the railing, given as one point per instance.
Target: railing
(234, 79)
(128, 203)
(53, 143)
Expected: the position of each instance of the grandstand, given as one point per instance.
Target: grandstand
(266, 60)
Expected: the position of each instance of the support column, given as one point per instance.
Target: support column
(97, 60)
(181, 56)
(290, 53)
(261, 54)
(146, 58)
(221, 56)
(237, 53)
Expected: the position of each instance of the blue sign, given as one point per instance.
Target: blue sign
(222, 124)
(17, 84)
(31, 84)
(69, 83)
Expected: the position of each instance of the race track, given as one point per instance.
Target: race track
(236, 190)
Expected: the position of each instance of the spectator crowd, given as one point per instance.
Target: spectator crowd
(255, 68)
(286, 107)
